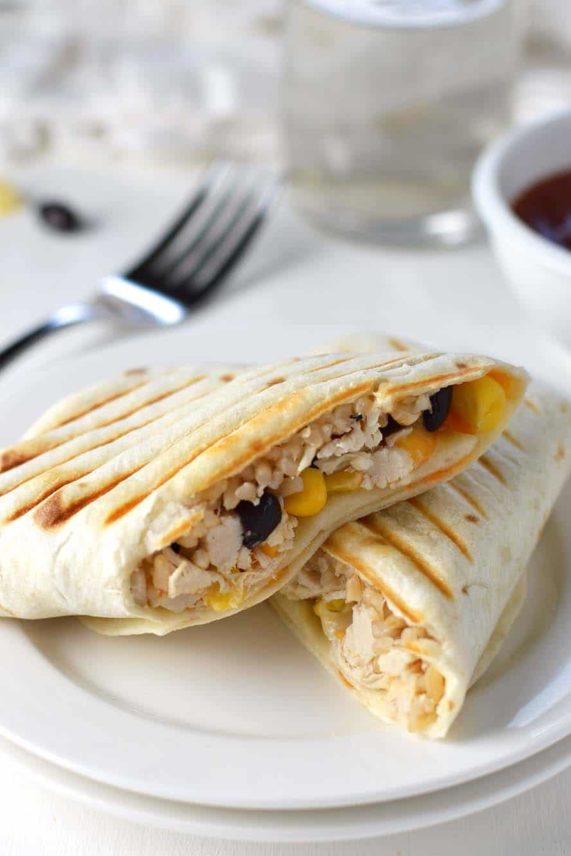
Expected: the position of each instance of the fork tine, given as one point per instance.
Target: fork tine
(221, 257)
(222, 203)
(211, 175)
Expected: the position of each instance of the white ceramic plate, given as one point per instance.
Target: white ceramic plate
(340, 824)
(235, 714)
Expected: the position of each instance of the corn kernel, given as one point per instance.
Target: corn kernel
(322, 606)
(221, 601)
(480, 404)
(311, 500)
(335, 605)
(10, 199)
(419, 443)
(343, 482)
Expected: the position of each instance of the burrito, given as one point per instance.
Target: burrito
(408, 606)
(175, 497)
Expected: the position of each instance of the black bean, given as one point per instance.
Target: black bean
(440, 407)
(60, 217)
(357, 417)
(259, 521)
(177, 548)
(391, 426)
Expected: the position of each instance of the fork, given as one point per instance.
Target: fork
(188, 263)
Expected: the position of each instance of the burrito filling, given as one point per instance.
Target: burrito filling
(247, 522)
(373, 647)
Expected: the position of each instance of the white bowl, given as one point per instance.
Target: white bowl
(538, 270)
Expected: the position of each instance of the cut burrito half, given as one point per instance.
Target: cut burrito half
(408, 606)
(177, 497)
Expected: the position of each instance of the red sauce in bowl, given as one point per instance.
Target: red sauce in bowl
(546, 208)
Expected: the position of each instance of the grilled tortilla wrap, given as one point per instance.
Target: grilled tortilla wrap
(409, 606)
(177, 497)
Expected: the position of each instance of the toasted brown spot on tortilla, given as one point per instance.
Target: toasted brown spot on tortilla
(531, 405)
(275, 381)
(560, 453)
(137, 371)
(471, 518)
(12, 458)
(564, 407)
(376, 525)
(471, 500)
(465, 589)
(460, 365)
(29, 506)
(488, 465)
(227, 377)
(398, 345)
(442, 525)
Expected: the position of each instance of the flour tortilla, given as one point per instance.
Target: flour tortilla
(453, 560)
(108, 476)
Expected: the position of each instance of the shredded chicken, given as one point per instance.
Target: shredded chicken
(371, 644)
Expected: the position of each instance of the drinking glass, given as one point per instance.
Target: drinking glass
(387, 104)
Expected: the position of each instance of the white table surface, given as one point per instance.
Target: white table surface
(292, 274)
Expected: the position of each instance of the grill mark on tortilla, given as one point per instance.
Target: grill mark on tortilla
(363, 569)
(97, 405)
(331, 364)
(375, 525)
(398, 345)
(254, 451)
(350, 357)
(471, 500)
(488, 465)
(513, 440)
(152, 401)
(127, 415)
(29, 506)
(440, 379)
(439, 475)
(85, 471)
(440, 524)
(12, 458)
(531, 405)
(344, 680)
(53, 512)
(399, 543)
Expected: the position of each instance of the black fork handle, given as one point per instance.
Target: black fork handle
(67, 316)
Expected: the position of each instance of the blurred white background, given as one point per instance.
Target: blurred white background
(172, 80)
